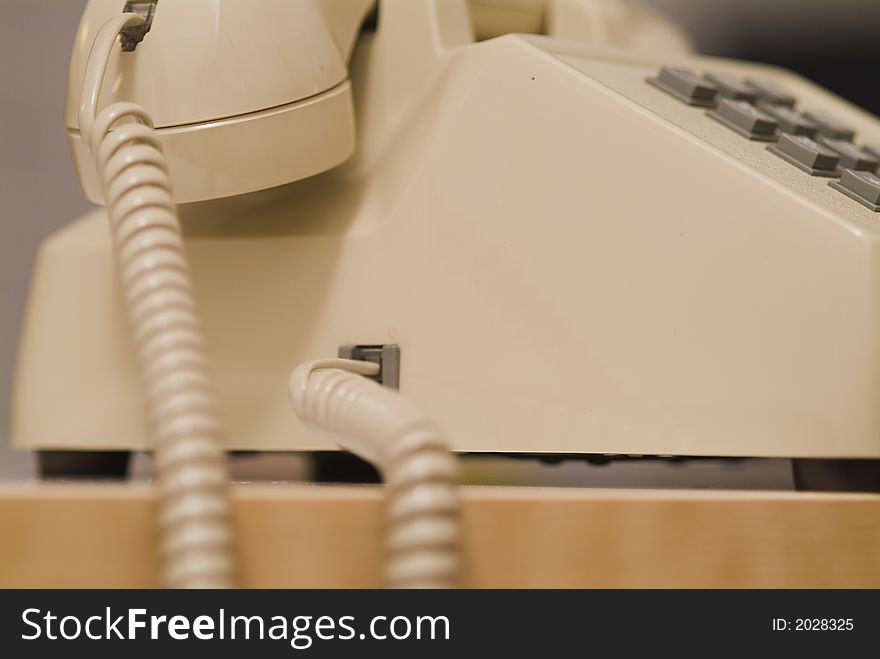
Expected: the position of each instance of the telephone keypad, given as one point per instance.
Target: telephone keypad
(815, 141)
(759, 109)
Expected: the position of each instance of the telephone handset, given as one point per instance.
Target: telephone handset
(225, 81)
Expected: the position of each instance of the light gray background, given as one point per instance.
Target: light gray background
(38, 187)
(39, 191)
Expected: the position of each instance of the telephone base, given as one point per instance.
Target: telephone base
(571, 260)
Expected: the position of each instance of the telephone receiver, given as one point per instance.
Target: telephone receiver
(223, 82)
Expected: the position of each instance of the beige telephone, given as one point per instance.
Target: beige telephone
(572, 247)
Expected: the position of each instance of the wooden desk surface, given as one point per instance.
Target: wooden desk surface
(96, 535)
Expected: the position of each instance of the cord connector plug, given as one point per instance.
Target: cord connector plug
(132, 35)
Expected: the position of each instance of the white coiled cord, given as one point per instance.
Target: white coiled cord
(379, 425)
(195, 534)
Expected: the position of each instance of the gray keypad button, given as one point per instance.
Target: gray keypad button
(873, 149)
(806, 154)
(729, 86)
(864, 187)
(830, 126)
(791, 121)
(745, 119)
(769, 91)
(851, 156)
(685, 86)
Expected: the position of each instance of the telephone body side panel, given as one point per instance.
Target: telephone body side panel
(570, 259)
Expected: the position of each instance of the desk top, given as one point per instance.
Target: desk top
(101, 535)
